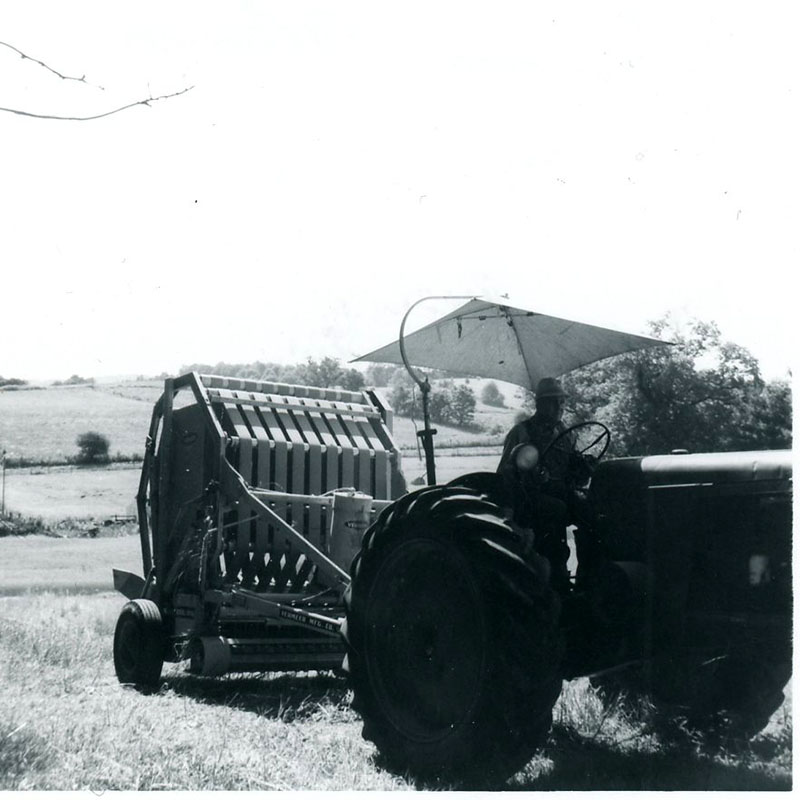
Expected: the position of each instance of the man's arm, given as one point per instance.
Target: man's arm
(514, 437)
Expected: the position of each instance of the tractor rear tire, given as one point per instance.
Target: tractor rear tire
(139, 644)
(453, 647)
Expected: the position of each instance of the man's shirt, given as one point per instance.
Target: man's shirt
(540, 433)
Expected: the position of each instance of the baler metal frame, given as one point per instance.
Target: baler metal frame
(297, 585)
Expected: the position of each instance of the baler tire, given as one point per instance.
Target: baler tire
(139, 644)
(452, 639)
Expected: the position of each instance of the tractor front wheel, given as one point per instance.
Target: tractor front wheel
(139, 644)
(452, 641)
(733, 698)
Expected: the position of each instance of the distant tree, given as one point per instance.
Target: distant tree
(765, 421)
(400, 377)
(462, 405)
(379, 374)
(74, 380)
(492, 396)
(403, 401)
(702, 394)
(351, 379)
(322, 373)
(92, 448)
(12, 381)
(447, 403)
(439, 404)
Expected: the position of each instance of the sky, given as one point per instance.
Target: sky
(335, 162)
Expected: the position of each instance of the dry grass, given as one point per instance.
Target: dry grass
(73, 565)
(70, 725)
(631, 746)
(44, 423)
(55, 493)
(67, 723)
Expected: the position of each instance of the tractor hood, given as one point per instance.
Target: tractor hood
(768, 465)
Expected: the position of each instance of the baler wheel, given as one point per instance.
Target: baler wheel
(139, 644)
(452, 642)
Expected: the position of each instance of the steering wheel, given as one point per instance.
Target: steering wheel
(605, 437)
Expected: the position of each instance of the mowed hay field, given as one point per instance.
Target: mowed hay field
(44, 423)
(67, 724)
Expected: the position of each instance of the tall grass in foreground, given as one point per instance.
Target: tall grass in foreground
(65, 723)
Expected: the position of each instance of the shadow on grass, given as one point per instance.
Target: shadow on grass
(580, 763)
(285, 696)
(571, 762)
(21, 752)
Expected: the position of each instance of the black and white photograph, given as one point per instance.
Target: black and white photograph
(397, 396)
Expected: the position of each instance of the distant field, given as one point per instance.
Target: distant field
(44, 423)
(54, 493)
(72, 565)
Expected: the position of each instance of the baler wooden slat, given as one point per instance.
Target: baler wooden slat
(332, 449)
(260, 478)
(363, 449)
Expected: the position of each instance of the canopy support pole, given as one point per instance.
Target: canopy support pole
(427, 433)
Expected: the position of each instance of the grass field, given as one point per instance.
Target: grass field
(44, 423)
(68, 725)
(53, 493)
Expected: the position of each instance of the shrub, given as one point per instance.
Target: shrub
(492, 396)
(462, 405)
(447, 404)
(403, 401)
(92, 448)
(351, 379)
(75, 380)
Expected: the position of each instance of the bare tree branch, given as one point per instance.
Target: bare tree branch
(26, 57)
(145, 102)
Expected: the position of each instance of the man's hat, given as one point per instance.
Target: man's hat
(549, 387)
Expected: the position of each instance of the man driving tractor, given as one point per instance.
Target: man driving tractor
(547, 489)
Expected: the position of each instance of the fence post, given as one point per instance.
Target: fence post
(3, 501)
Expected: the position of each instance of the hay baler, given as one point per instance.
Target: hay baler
(252, 501)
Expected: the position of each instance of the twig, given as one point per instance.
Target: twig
(26, 57)
(16, 730)
(605, 716)
(145, 102)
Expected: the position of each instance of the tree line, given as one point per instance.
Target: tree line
(702, 394)
(326, 373)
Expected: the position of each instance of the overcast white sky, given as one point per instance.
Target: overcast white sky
(336, 161)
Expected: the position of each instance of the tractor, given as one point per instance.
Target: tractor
(458, 641)
(458, 634)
